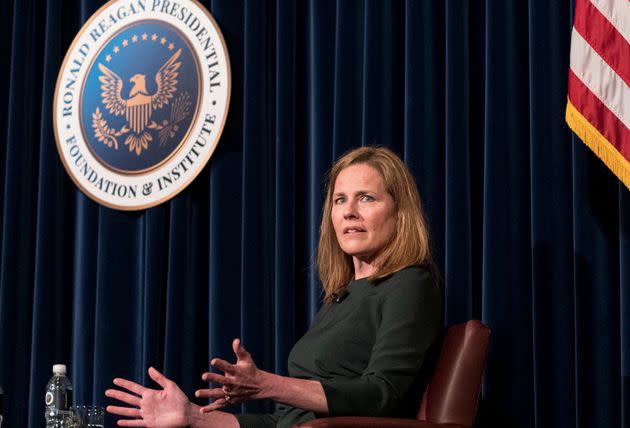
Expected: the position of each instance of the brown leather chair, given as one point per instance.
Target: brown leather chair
(450, 400)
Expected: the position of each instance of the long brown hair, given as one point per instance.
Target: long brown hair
(409, 244)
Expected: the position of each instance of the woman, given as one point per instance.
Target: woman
(367, 350)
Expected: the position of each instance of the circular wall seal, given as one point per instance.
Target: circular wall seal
(141, 100)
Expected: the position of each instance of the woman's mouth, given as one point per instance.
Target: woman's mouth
(351, 230)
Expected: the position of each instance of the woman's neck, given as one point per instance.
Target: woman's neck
(363, 269)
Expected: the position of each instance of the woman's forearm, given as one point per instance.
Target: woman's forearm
(197, 419)
(302, 393)
(244, 381)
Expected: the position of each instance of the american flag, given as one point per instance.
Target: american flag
(598, 107)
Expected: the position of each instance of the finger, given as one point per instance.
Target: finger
(239, 350)
(131, 423)
(124, 411)
(216, 405)
(159, 378)
(210, 393)
(134, 400)
(223, 365)
(215, 378)
(129, 385)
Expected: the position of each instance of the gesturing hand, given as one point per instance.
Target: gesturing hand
(159, 408)
(241, 381)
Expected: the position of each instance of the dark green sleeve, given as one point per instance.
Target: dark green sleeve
(269, 420)
(411, 320)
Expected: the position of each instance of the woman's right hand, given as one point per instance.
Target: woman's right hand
(158, 408)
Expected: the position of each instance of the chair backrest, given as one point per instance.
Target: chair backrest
(453, 392)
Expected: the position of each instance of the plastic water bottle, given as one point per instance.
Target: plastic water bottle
(58, 399)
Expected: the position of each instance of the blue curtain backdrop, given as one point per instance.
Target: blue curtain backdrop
(530, 231)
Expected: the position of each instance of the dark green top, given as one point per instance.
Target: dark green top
(369, 351)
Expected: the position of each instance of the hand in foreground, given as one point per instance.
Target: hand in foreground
(159, 408)
(241, 382)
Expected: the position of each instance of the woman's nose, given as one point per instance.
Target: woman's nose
(350, 210)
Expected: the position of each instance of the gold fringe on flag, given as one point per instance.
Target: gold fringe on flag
(598, 144)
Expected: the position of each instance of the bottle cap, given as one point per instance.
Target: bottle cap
(59, 369)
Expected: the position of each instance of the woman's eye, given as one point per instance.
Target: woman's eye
(339, 201)
(367, 198)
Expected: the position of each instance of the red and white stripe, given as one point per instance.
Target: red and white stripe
(599, 77)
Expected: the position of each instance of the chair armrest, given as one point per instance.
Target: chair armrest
(368, 422)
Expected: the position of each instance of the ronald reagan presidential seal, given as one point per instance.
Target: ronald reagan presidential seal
(141, 100)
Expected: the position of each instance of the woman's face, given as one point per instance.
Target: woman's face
(363, 212)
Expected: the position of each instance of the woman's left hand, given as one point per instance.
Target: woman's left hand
(240, 382)
(167, 407)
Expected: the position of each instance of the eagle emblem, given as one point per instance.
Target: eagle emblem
(139, 107)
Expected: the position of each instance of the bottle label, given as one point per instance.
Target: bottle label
(59, 399)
